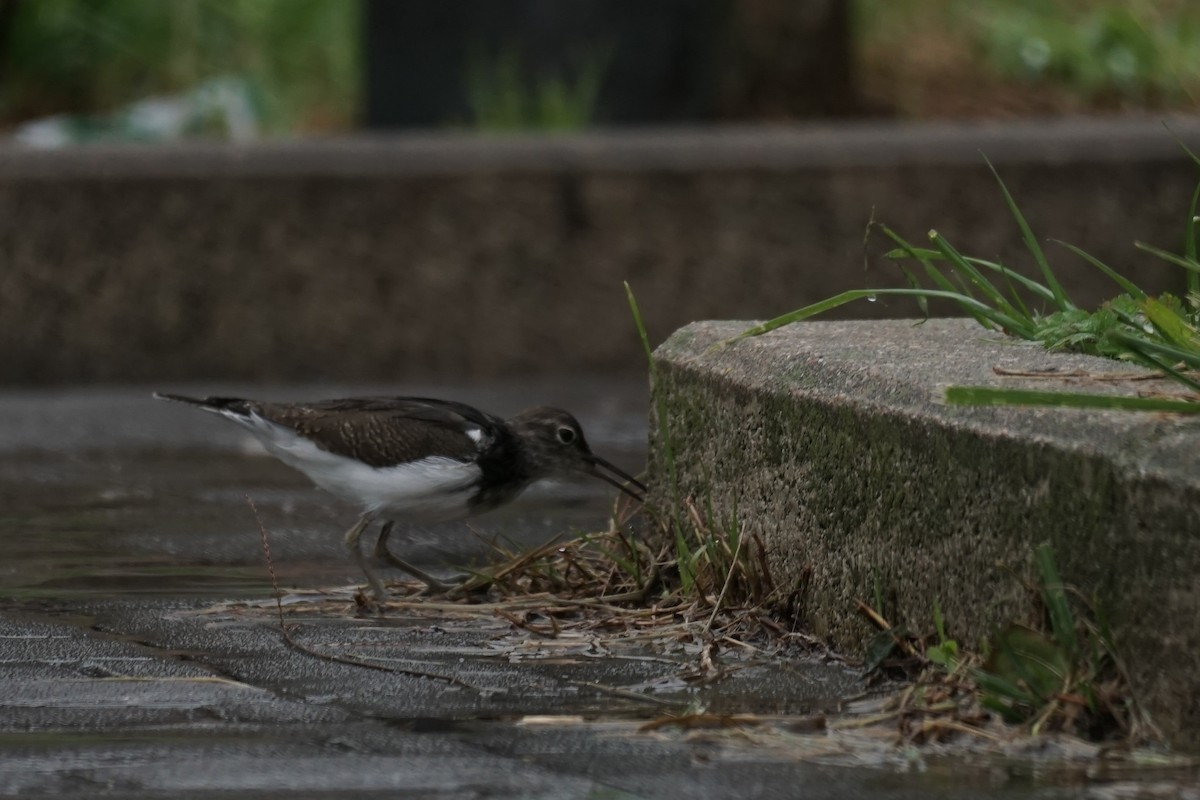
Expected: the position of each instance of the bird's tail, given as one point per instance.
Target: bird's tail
(228, 406)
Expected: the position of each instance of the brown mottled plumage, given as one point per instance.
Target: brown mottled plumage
(370, 429)
(417, 458)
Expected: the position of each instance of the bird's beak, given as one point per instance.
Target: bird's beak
(618, 478)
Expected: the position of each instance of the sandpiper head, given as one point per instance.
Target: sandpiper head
(556, 446)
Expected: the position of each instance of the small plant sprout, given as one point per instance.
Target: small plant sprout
(945, 652)
(1060, 672)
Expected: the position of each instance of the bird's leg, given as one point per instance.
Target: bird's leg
(382, 551)
(352, 541)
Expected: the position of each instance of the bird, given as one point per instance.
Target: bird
(416, 459)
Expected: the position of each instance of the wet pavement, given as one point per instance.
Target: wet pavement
(141, 656)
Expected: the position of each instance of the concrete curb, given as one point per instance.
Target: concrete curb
(830, 441)
(1054, 141)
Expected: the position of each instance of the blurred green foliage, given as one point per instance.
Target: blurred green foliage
(1132, 50)
(299, 58)
(501, 100)
(1124, 48)
(299, 62)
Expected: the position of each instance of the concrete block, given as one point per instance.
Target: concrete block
(832, 442)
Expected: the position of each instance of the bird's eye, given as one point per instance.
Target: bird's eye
(566, 435)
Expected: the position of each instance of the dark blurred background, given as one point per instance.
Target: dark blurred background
(289, 67)
(316, 190)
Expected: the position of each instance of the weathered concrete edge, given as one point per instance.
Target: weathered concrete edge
(829, 441)
(1049, 141)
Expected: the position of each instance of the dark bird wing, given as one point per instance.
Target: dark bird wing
(384, 431)
(379, 431)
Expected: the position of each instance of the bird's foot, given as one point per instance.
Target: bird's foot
(368, 603)
(432, 584)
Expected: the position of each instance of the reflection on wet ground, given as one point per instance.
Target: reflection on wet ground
(129, 494)
(179, 522)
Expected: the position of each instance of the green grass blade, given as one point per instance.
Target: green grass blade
(1062, 621)
(1060, 296)
(637, 321)
(914, 282)
(664, 430)
(1029, 283)
(922, 255)
(945, 284)
(1164, 367)
(1181, 261)
(992, 396)
(961, 266)
(1032, 660)
(1180, 142)
(1022, 311)
(1189, 241)
(934, 274)
(969, 304)
(1159, 356)
(1129, 286)
(1000, 687)
(933, 255)
(1022, 674)
(907, 250)
(685, 562)
(630, 566)
(806, 312)
(1171, 326)
(912, 252)
(974, 276)
(1159, 349)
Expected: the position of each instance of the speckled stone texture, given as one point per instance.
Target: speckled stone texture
(832, 442)
(458, 257)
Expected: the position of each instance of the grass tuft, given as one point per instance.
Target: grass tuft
(1160, 333)
(709, 556)
(1060, 672)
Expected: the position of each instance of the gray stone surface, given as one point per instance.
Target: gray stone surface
(465, 257)
(831, 441)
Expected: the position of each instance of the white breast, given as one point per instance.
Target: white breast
(430, 490)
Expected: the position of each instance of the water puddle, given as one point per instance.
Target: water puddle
(179, 524)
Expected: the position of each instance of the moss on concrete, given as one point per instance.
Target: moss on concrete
(831, 440)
